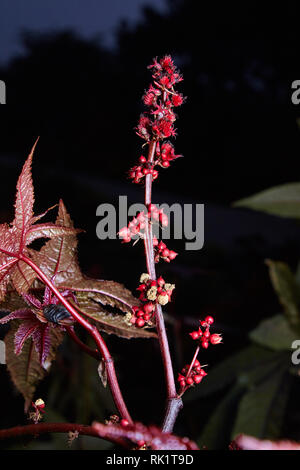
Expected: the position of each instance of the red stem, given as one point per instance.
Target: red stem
(92, 352)
(41, 428)
(111, 374)
(174, 404)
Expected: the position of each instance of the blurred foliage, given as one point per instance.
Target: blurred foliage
(258, 380)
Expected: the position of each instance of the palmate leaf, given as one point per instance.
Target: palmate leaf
(31, 327)
(58, 257)
(263, 383)
(15, 238)
(25, 369)
(255, 414)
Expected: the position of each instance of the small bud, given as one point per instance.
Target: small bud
(163, 299)
(194, 335)
(40, 403)
(144, 277)
(152, 293)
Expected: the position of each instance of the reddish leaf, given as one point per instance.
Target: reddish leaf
(154, 438)
(25, 331)
(25, 369)
(251, 443)
(14, 239)
(115, 323)
(58, 257)
(109, 293)
(32, 327)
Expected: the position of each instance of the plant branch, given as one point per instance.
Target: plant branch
(101, 345)
(174, 404)
(42, 428)
(92, 352)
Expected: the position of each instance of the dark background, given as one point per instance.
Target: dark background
(237, 131)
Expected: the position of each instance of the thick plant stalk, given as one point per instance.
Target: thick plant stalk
(174, 404)
(42, 428)
(101, 345)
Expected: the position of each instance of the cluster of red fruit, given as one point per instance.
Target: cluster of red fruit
(163, 156)
(143, 169)
(151, 293)
(137, 227)
(203, 334)
(189, 377)
(161, 251)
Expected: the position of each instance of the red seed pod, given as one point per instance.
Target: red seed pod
(209, 320)
(143, 159)
(140, 323)
(161, 246)
(172, 255)
(197, 379)
(140, 314)
(189, 381)
(124, 423)
(215, 338)
(147, 316)
(196, 363)
(148, 307)
(165, 253)
(164, 220)
(205, 344)
(182, 383)
(194, 335)
(161, 281)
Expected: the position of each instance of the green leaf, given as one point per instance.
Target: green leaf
(224, 373)
(283, 200)
(274, 333)
(255, 415)
(216, 433)
(287, 289)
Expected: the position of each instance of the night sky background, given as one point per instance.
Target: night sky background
(75, 73)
